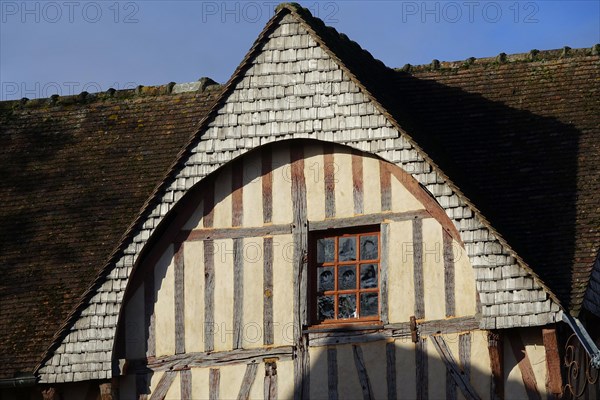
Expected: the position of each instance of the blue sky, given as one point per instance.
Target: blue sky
(65, 47)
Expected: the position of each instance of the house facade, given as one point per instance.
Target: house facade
(302, 232)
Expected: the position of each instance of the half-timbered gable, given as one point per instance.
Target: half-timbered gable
(226, 284)
(306, 243)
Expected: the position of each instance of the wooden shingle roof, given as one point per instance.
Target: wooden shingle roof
(75, 173)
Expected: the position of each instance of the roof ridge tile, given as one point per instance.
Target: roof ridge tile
(532, 56)
(202, 85)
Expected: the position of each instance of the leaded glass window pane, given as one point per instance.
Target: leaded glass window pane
(325, 250)
(369, 304)
(347, 306)
(325, 279)
(368, 276)
(368, 248)
(347, 249)
(325, 307)
(347, 277)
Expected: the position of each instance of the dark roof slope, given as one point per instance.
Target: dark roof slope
(75, 173)
(520, 135)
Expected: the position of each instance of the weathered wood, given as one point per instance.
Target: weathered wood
(496, 351)
(237, 193)
(329, 181)
(348, 337)
(149, 320)
(164, 384)
(390, 358)
(414, 333)
(520, 353)
(185, 381)
(449, 284)
(205, 359)
(421, 370)
(385, 182)
(332, 373)
(268, 290)
(214, 381)
(343, 329)
(367, 219)
(238, 292)
(267, 185)
(383, 271)
(464, 354)
(233, 233)
(209, 205)
(209, 295)
(457, 373)
(106, 391)
(300, 240)
(357, 182)
(450, 386)
(179, 299)
(554, 384)
(417, 227)
(247, 381)
(270, 384)
(301, 374)
(303, 354)
(305, 365)
(435, 327)
(361, 370)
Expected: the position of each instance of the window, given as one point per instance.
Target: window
(344, 276)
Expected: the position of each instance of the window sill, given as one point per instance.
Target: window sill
(346, 334)
(345, 327)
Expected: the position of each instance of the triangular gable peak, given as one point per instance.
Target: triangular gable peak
(294, 84)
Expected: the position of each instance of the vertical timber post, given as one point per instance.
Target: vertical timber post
(554, 383)
(300, 238)
(496, 350)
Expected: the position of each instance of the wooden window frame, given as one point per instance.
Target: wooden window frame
(358, 231)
